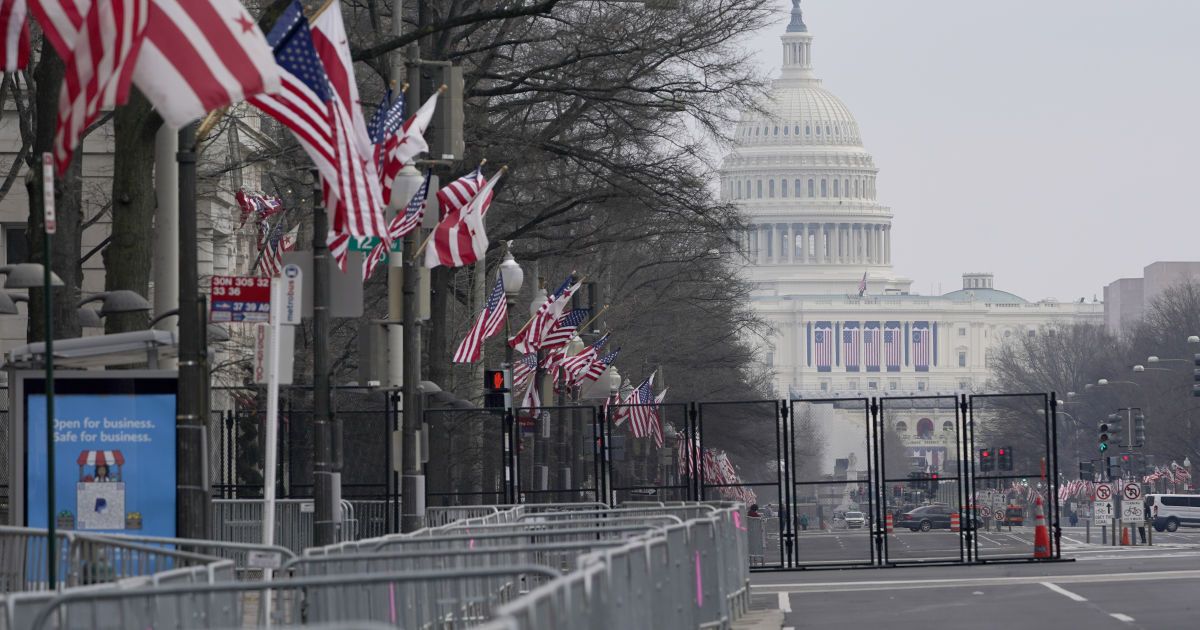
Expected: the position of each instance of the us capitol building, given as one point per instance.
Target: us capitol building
(807, 186)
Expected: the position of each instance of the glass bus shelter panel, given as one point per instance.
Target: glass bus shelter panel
(558, 456)
(748, 435)
(1013, 468)
(832, 468)
(639, 468)
(470, 469)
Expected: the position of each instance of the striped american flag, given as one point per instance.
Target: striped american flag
(921, 346)
(524, 368)
(598, 366)
(529, 338)
(270, 259)
(491, 319)
(872, 338)
(388, 118)
(99, 42)
(14, 28)
(893, 346)
(575, 367)
(458, 193)
(640, 407)
(459, 238)
(564, 329)
(850, 347)
(823, 346)
(400, 225)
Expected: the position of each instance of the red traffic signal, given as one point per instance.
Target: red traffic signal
(494, 381)
(1001, 452)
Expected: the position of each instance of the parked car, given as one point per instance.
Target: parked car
(925, 518)
(1172, 511)
(855, 520)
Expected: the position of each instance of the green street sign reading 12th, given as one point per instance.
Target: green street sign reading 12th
(366, 243)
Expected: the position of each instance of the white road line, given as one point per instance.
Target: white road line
(1121, 617)
(1061, 591)
(785, 602)
(816, 587)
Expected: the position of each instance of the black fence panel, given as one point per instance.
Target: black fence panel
(469, 468)
(558, 454)
(639, 468)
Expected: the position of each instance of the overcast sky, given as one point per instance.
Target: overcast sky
(1051, 142)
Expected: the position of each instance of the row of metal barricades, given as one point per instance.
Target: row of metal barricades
(677, 565)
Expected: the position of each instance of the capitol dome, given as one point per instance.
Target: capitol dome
(806, 185)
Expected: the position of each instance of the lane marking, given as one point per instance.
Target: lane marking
(1121, 617)
(816, 587)
(1062, 591)
(785, 602)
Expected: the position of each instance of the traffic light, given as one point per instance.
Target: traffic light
(1104, 435)
(987, 462)
(1004, 457)
(1087, 471)
(495, 386)
(1139, 428)
(933, 483)
(1196, 375)
(1116, 425)
(1112, 465)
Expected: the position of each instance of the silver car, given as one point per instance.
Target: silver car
(855, 520)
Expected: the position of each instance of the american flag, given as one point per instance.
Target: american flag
(564, 329)
(921, 346)
(460, 192)
(1181, 474)
(489, 323)
(871, 346)
(359, 209)
(862, 285)
(270, 259)
(529, 338)
(307, 105)
(598, 366)
(388, 118)
(524, 368)
(656, 428)
(892, 346)
(689, 453)
(401, 146)
(400, 225)
(823, 346)
(459, 239)
(639, 407)
(574, 367)
(99, 42)
(531, 402)
(257, 205)
(850, 337)
(15, 30)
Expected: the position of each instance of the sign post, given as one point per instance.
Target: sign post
(49, 227)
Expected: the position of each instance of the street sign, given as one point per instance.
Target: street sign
(293, 290)
(1103, 492)
(1132, 512)
(1102, 511)
(367, 243)
(240, 299)
(986, 512)
(1132, 491)
(999, 516)
(48, 194)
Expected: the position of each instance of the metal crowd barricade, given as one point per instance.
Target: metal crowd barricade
(249, 559)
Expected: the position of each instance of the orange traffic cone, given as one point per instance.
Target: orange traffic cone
(1041, 535)
(1125, 542)
(954, 522)
(887, 521)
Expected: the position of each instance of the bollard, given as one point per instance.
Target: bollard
(1087, 531)
(1103, 534)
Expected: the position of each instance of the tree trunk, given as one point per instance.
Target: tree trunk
(48, 77)
(127, 259)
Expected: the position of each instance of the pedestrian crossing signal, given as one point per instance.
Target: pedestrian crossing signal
(495, 386)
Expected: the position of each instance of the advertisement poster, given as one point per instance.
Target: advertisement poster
(114, 456)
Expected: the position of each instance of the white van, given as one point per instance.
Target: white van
(1172, 511)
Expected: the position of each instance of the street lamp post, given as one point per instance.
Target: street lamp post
(513, 277)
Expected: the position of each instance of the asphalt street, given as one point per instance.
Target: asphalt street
(1103, 587)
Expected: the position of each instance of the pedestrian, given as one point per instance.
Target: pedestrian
(1145, 517)
(754, 513)
(1074, 516)
(804, 522)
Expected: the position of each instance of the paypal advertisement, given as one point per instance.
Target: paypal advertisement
(114, 455)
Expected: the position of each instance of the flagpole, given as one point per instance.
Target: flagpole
(594, 318)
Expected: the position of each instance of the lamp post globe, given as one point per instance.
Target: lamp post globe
(512, 274)
(614, 380)
(539, 298)
(1193, 339)
(1102, 381)
(1139, 368)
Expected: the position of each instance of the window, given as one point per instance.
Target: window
(901, 427)
(893, 384)
(807, 130)
(872, 385)
(947, 426)
(824, 188)
(785, 130)
(771, 188)
(824, 386)
(925, 428)
(922, 385)
(856, 189)
(962, 332)
(770, 359)
(758, 188)
(798, 190)
(846, 187)
(810, 188)
(818, 130)
(852, 384)
(777, 131)
(1031, 333)
(1174, 501)
(962, 359)
(797, 130)
(964, 385)
(835, 188)
(756, 131)
(783, 186)
(15, 250)
(739, 190)
(827, 131)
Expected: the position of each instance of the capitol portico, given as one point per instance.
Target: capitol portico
(807, 187)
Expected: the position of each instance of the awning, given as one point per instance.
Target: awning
(107, 458)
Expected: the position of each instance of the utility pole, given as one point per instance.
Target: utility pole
(193, 506)
(326, 481)
(412, 483)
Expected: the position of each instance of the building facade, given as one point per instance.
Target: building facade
(1126, 299)
(819, 256)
